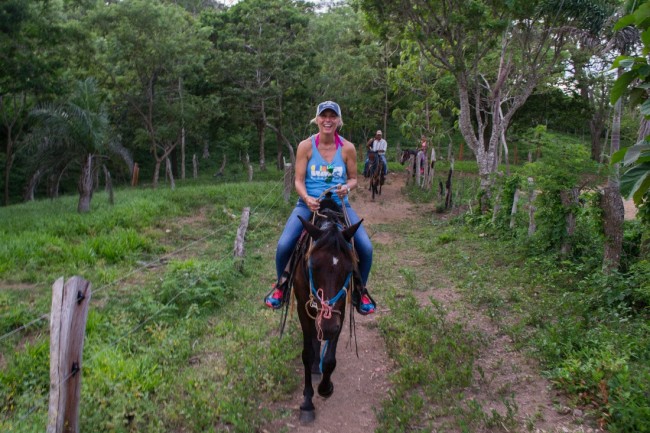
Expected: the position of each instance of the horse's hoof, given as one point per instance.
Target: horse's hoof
(326, 393)
(307, 416)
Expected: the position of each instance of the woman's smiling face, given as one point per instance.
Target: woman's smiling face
(328, 121)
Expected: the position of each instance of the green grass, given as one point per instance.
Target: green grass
(177, 340)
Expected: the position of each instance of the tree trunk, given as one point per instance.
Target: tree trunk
(180, 93)
(612, 203)
(223, 166)
(261, 139)
(170, 173)
(18, 103)
(8, 163)
(156, 173)
(85, 186)
(282, 139)
(596, 129)
(613, 216)
(206, 151)
(31, 185)
(109, 186)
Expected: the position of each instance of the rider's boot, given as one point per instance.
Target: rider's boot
(277, 296)
(361, 299)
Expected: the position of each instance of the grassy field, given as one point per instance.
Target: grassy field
(178, 340)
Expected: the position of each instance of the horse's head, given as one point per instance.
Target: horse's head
(331, 262)
(404, 157)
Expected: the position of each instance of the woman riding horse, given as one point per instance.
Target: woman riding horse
(324, 160)
(330, 269)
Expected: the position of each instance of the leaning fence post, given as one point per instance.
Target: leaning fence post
(67, 330)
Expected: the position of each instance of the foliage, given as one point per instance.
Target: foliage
(635, 181)
(562, 166)
(542, 108)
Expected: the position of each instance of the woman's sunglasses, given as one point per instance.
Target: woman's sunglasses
(330, 170)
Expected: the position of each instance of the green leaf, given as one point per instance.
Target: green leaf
(641, 16)
(637, 96)
(625, 21)
(633, 179)
(633, 152)
(641, 191)
(643, 71)
(618, 155)
(621, 85)
(625, 62)
(645, 108)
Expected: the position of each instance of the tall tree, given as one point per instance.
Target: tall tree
(354, 67)
(73, 130)
(498, 52)
(29, 67)
(146, 48)
(264, 57)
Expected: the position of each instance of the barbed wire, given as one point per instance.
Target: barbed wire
(43, 398)
(142, 267)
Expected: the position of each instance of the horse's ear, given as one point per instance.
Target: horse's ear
(348, 233)
(313, 231)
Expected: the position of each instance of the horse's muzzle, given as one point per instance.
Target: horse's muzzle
(331, 327)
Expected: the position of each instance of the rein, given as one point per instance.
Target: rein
(312, 302)
(323, 306)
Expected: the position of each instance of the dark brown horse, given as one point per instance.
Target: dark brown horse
(375, 173)
(321, 286)
(406, 155)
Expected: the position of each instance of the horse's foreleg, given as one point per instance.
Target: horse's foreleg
(326, 387)
(307, 414)
(315, 365)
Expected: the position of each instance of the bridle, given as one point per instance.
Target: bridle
(324, 307)
(317, 295)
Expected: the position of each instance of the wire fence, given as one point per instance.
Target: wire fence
(41, 401)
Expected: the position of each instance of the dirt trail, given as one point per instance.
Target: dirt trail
(362, 383)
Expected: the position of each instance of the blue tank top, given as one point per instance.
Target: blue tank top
(322, 175)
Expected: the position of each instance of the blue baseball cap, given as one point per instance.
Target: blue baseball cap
(328, 105)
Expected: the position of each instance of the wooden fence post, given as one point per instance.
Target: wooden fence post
(136, 174)
(239, 240)
(67, 330)
(513, 212)
(288, 184)
(409, 170)
(532, 195)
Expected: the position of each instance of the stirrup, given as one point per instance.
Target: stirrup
(363, 308)
(275, 298)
